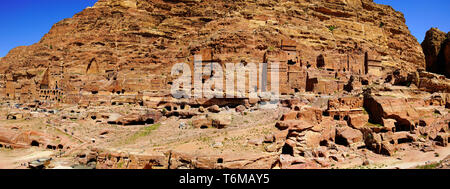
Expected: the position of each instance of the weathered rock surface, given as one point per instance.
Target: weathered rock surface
(122, 51)
(16, 138)
(436, 48)
(352, 84)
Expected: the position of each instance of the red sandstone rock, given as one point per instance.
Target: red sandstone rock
(214, 109)
(297, 125)
(387, 148)
(349, 135)
(435, 47)
(358, 121)
(120, 53)
(98, 67)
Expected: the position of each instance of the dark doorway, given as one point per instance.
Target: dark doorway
(291, 62)
(320, 61)
(35, 143)
(366, 63)
(287, 150)
(341, 141)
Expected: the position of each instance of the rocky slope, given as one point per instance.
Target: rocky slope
(139, 39)
(352, 82)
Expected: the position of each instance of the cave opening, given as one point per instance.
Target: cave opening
(422, 123)
(50, 147)
(35, 143)
(341, 141)
(148, 121)
(337, 117)
(287, 150)
(365, 82)
(366, 63)
(402, 126)
(346, 118)
(291, 62)
(404, 140)
(320, 61)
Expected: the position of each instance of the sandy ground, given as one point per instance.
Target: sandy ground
(409, 159)
(18, 159)
(414, 158)
(232, 140)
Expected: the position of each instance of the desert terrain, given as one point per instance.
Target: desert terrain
(354, 88)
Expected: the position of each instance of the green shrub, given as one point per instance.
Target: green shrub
(429, 166)
(332, 27)
(143, 132)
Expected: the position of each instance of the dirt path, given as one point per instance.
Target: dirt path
(414, 158)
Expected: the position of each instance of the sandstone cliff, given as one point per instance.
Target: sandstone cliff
(124, 45)
(352, 82)
(436, 48)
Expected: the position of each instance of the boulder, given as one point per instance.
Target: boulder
(348, 136)
(292, 115)
(387, 148)
(297, 125)
(358, 121)
(240, 108)
(271, 148)
(270, 138)
(214, 109)
(201, 122)
(256, 142)
(220, 121)
(389, 124)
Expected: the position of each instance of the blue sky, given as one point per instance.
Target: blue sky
(24, 22)
(421, 15)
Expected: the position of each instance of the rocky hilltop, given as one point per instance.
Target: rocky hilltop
(354, 88)
(140, 40)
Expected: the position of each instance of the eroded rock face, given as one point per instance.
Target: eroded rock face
(136, 118)
(174, 160)
(345, 88)
(13, 137)
(381, 123)
(433, 82)
(122, 51)
(437, 52)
